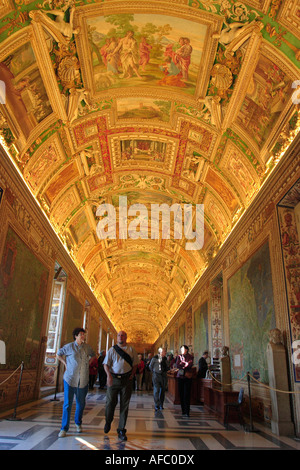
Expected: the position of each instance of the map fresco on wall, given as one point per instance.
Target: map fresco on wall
(21, 303)
(93, 334)
(74, 316)
(251, 315)
(200, 331)
(145, 50)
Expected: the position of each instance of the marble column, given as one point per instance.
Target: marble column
(281, 423)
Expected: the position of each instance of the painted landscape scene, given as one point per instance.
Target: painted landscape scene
(145, 50)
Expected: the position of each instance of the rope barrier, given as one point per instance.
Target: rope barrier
(227, 385)
(262, 384)
(270, 388)
(10, 375)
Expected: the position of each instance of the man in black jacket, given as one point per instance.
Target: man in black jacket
(203, 365)
(159, 367)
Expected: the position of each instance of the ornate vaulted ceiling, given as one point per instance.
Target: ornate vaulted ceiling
(181, 101)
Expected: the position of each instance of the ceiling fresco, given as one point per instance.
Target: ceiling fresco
(183, 102)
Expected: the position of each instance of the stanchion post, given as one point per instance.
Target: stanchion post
(251, 428)
(14, 416)
(56, 385)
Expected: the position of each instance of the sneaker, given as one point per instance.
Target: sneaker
(78, 428)
(62, 433)
(122, 435)
(107, 428)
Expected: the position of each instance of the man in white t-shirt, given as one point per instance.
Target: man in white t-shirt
(120, 365)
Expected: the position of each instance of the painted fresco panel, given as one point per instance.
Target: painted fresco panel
(143, 150)
(80, 227)
(21, 303)
(268, 93)
(145, 50)
(25, 92)
(146, 108)
(251, 315)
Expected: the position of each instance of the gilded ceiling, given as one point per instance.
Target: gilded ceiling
(163, 102)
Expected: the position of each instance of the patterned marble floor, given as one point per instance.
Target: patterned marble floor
(40, 421)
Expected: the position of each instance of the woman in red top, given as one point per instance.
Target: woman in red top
(184, 364)
(140, 372)
(93, 370)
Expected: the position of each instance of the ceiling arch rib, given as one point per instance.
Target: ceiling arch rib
(197, 112)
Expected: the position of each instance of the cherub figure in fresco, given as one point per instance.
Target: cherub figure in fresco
(58, 25)
(129, 55)
(235, 34)
(144, 50)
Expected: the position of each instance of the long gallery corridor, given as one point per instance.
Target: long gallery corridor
(39, 424)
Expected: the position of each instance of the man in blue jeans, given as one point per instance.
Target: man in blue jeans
(76, 378)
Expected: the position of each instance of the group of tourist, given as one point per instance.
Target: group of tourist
(120, 365)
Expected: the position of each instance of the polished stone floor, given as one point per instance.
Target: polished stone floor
(39, 424)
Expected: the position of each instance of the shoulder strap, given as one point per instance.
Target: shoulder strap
(123, 354)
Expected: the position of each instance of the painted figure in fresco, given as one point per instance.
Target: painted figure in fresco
(112, 57)
(144, 50)
(182, 57)
(103, 51)
(177, 64)
(172, 73)
(129, 55)
(289, 234)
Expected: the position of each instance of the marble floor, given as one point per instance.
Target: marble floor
(39, 424)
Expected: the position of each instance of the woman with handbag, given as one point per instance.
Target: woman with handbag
(184, 364)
